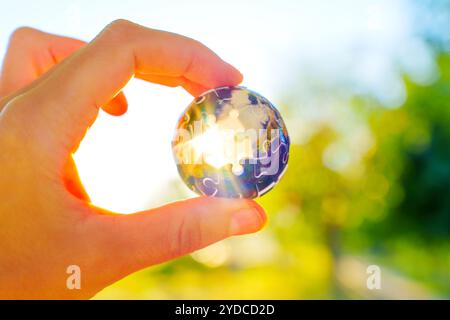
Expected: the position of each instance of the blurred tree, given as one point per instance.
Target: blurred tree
(413, 154)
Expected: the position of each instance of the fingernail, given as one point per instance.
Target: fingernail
(246, 221)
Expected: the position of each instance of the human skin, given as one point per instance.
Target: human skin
(51, 89)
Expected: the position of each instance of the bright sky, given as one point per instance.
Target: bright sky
(124, 162)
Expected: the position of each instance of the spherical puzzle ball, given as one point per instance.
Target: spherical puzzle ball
(231, 142)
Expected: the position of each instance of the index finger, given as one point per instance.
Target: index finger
(68, 101)
(30, 54)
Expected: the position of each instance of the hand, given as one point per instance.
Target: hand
(52, 88)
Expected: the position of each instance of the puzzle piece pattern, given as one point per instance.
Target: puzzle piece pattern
(250, 174)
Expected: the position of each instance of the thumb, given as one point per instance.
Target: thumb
(132, 242)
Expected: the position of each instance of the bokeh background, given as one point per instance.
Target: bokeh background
(364, 88)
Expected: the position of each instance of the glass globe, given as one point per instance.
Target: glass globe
(231, 142)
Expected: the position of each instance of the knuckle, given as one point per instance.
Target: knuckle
(119, 28)
(188, 237)
(121, 23)
(196, 43)
(22, 34)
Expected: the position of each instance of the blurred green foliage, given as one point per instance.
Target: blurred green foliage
(389, 206)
